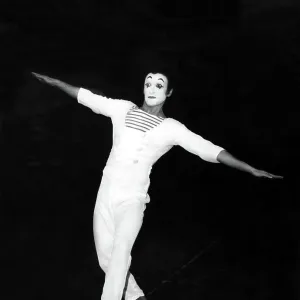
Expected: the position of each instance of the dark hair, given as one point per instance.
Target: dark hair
(157, 61)
(166, 73)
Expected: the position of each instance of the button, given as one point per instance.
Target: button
(140, 149)
(135, 161)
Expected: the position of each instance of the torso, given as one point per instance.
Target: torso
(138, 119)
(139, 140)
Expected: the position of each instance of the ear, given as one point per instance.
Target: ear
(170, 93)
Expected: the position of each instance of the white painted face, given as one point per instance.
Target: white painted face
(155, 89)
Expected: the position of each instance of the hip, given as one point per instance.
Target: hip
(118, 187)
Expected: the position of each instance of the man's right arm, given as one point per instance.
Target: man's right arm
(65, 87)
(97, 103)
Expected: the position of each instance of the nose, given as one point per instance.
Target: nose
(152, 90)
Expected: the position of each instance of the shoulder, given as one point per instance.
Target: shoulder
(84, 93)
(124, 105)
(173, 124)
(127, 103)
(175, 130)
(120, 108)
(102, 104)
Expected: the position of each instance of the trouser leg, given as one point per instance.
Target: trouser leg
(113, 247)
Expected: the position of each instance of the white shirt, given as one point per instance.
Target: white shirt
(140, 150)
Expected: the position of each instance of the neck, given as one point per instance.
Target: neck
(153, 110)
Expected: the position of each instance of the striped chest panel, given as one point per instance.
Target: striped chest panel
(140, 120)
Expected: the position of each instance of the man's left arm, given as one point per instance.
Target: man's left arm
(210, 152)
(227, 159)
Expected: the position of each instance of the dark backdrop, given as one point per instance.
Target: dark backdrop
(236, 69)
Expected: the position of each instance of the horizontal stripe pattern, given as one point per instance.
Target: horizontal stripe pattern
(140, 120)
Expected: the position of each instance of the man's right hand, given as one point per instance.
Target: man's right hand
(44, 78)
(65, 87)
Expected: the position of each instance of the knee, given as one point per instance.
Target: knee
(103, 262)
(122, 247)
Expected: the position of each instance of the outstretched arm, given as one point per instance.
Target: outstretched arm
(67, 88)
(195, 144)
(97, 103)
(226, 158)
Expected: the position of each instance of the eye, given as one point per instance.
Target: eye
(159, 86)
(147, 84)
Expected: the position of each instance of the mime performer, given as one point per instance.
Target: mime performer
(141, 135)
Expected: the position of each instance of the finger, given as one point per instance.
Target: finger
(268, 175)
(272, 176)
(40, 77)
(36, 75)
(277, 176)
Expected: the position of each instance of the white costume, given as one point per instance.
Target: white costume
(122, 195)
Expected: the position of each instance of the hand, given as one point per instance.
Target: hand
(43, 78)
(261, 173)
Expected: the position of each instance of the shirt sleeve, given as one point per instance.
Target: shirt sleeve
(195, 144)
(100, 104)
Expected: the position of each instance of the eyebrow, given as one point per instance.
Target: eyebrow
(158, 78)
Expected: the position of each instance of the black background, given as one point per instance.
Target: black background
(237, 68)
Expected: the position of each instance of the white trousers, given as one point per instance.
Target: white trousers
(118, 218)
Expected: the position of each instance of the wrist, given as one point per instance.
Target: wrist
(251, 170)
